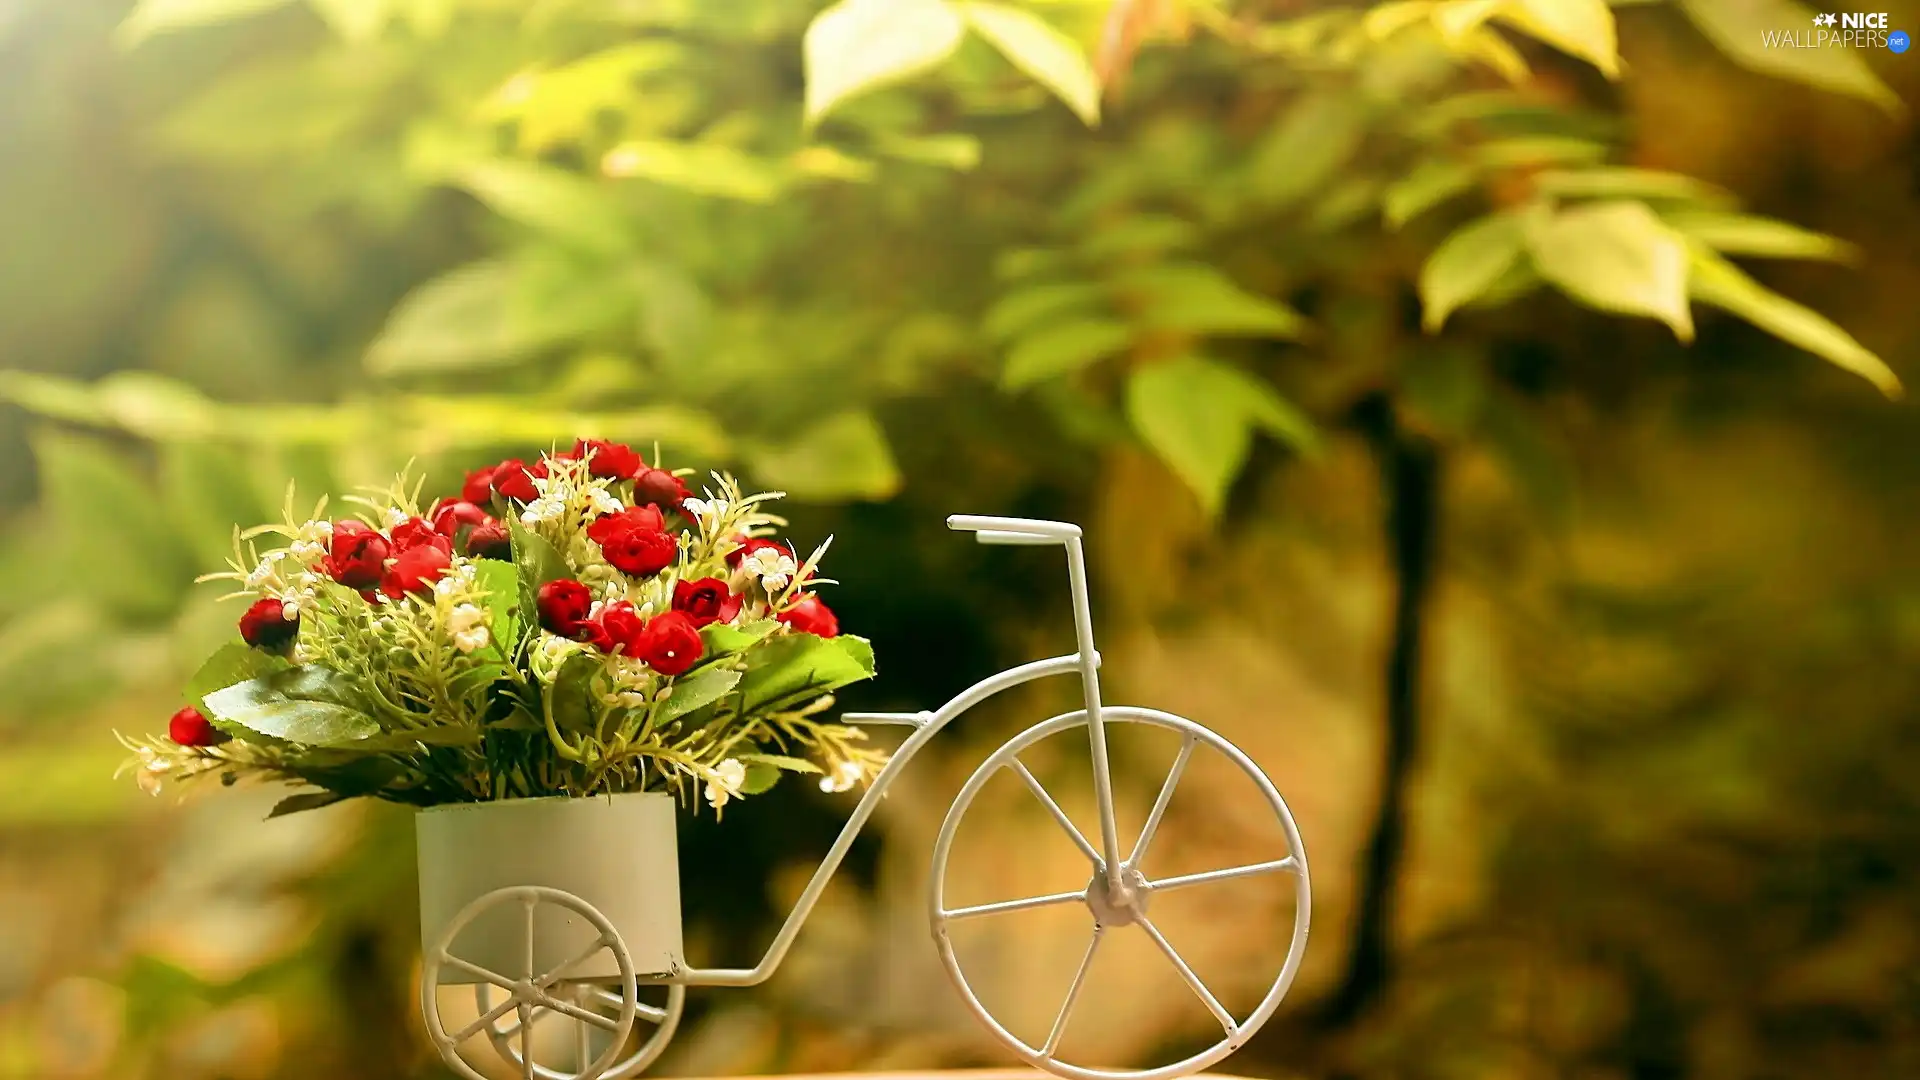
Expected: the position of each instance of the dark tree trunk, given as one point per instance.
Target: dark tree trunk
(1410, 483)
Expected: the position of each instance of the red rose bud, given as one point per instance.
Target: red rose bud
(658, 487)
(563, 607)
(412, 533)
(266, 625)
(190, 727)
(417, 568)
(490, 541)
(670, 644)
(635, 540)
(618, 627)
(513, 479)
(705, 601)
(811, 616)
(749, 546)
(612, 460)
(356, 555)
(449, 518)
(478, 486)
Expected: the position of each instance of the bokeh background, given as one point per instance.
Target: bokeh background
(1585, 657)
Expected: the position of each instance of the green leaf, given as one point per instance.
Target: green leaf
(676, 315)
(570, 698)
(1018, 312)
(759, 780)
(1718, 282)
(1318, 134)
(1538, 151)
(724, 640)
(501, 582)
(1138, 234)
(1050, 57)
(553, 201)
(210, 492)
(155, 406)
(1467, 263)
(779, 761)
(123, 547)
(860, 45)
(306, 800)
(1622, 183)
(54, 398)
(702, 168)
(537, 560)
(151, 17)
(1062, 348)
(1427, 186)
(1582, 28)
(493, 312)
(792, 668)
(1745, 234)
(314, 706)
(1199, 415)
(1739, 28)
(231, 664)
(843, 457)
(696, 691)
(1617, 257)
(1195, 299)
(952, 150)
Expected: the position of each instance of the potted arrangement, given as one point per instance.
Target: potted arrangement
(550, 665)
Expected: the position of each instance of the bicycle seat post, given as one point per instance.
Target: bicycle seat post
(1096, 731)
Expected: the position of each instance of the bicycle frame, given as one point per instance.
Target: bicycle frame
(1085, 661)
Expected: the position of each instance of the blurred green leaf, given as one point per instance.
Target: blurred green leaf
(1061, 348)
(1538, 151)
(845, 456)
(492, 312)
(1745, 234)
(860, 45)
(1718, 282)
(1018, 312)
(210, 490)
(150, 17)
(1317, 135)
(1617, 257)
(561, 204)
(702, 168)
(761, 778)
(1582, 28)
(1738, 29)
(1050, 57)
(1619, 183)
(1431, 183)
(1198, 299)
(1199, 415)
(121, 544)
(1467, 263)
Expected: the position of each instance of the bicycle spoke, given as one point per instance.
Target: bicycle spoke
(567, 1008)
(583, 1047)
(1073, 994)
(486, 1020)
(478, 972)
(513, 1029)
(1250, 869)
(1053, 808)
(526, 1050)
(1014, 905)
(656, 1014)
(554, 975)
(532, 903)
(1212, 1003)
(1160, 803)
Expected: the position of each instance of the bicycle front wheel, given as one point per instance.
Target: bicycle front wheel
(1127, 909)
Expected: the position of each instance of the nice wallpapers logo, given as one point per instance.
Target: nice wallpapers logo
(1847, 30)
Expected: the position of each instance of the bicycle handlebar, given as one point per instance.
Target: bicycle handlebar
(1004, 530)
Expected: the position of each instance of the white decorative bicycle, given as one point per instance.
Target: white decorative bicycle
(575, 962)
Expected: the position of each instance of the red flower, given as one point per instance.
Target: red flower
(670, 643)
(266, 626)
(659, 488)
(618, 627)
(449, 517)
(753, 544)
(190, 727)
(490, 541)
(417, 568)
(811, 616)
(635, 540)
(563, 607)
(707, 600)
(613, 460)
(412, 533)
(478, 486)
(514, 479)
(356, 555)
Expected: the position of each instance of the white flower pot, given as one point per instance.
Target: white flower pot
(616, 852)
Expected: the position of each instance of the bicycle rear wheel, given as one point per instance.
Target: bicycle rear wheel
(1124, 910)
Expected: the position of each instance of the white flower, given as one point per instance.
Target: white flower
(308, 551)
(843, 777)
(267, 571)
(728, 777)
(396, 517)
(772, 568)
(603, 500)
(318, 531)
(468, 625)
(544, 508)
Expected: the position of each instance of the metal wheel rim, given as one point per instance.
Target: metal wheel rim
(647, 1054)
(532, 896)
(1193, 734)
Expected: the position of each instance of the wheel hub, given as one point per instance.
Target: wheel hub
(1121, 905)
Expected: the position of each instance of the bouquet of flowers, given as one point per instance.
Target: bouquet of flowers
(582, 625)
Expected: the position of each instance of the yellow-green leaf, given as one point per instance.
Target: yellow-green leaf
(1061, 348)
(1197, 299)
(1582, 28)
(1199, 415)
(1745, 234)
(1617, 257)
(1609, 182)
(1050, 57)
(702, 168)
(1718, 282)
(843, 457)
(1430, 183)
(1467, 263)
(1738, 28)
(151, 17)
(861, 45)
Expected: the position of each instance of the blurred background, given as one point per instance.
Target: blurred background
(1583, 647)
